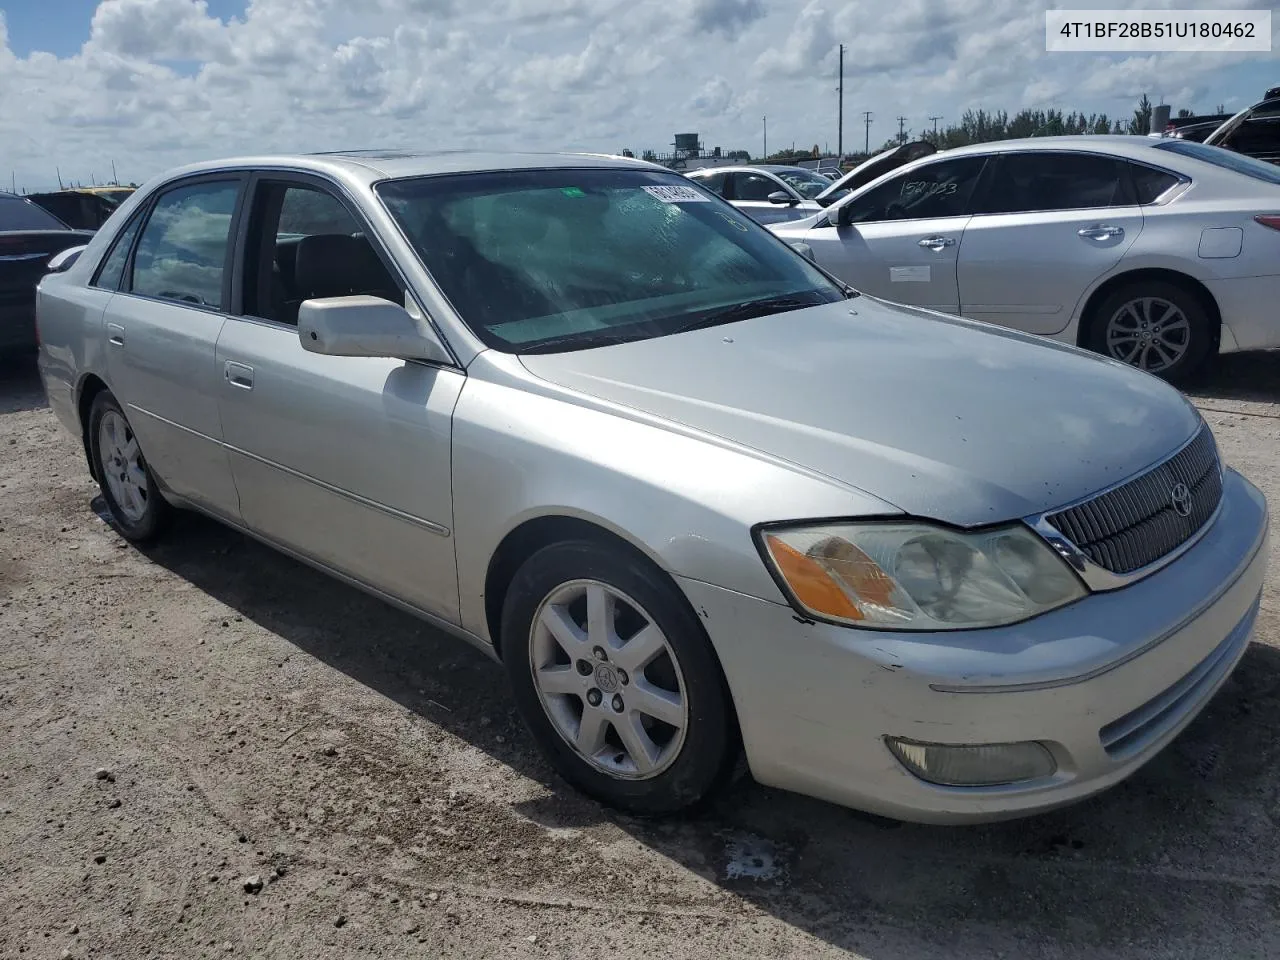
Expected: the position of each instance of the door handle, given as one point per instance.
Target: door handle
(1100, 231)
(115, 334)
(238, 374)
(937, 244)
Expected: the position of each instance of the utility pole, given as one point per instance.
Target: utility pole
(840, 125)
(765, 155)
(902, 137)
(935, 125)
(866, 144)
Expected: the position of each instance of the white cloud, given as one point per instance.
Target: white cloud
(161, 82)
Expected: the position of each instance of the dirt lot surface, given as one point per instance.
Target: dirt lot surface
(207, 749)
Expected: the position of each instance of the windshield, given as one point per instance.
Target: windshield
(1220, 157)
(807, 183)
(563, 259)
(19, 214)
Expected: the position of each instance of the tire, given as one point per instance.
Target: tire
(138, 508)
(1189, 331)
(674, 764)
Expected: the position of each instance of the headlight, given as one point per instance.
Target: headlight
(914, 576)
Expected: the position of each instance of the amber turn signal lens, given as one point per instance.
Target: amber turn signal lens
(810, 582)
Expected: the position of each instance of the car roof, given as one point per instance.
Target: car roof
(749, 168)
(1121, 145)
(372, 165)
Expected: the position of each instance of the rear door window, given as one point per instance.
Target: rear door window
(941, 189)
(182, 253)
(1042, 181)
(715, 182)
(753, 186)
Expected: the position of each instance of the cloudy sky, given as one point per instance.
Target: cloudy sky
(152, 83)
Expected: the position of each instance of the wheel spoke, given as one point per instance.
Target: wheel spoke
(130, 450)
(643, 751)
(657, 703)
(599, 616)
(1166, 356)
(1130, 353)
(566, 633)
(1169, 311)
(591, 732)
(1133, 312)
(641, 648)
(560, 679)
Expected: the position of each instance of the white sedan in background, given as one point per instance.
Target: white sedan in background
(1155, 252)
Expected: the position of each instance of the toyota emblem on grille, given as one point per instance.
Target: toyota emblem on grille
(1180, 497)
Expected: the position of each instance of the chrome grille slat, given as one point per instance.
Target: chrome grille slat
(1135, 524)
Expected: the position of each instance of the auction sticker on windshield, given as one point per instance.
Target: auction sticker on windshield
(676, 194)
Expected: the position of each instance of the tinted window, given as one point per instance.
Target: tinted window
(562, 259)
(1149, 184)
(941, 189)
(182, 252)
(714, 182)
(112, 270)
(753, 186)
(1256, 136)
(306, 211)
(1257, 169)
(1027, 182)
(19, 214)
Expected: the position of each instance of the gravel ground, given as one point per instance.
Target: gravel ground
(207, 749)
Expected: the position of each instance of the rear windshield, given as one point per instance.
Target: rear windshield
(1227, 159)
(18, 214)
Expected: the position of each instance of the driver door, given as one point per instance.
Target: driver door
(903, 241)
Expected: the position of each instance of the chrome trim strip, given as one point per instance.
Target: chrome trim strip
(1130, 656)
(430, 525)
(170, 423)
(1097, 578)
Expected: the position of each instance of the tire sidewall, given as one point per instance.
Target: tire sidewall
(1202, 333)
(150, 523)
(711, 739)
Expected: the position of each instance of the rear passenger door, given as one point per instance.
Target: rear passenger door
(174, 282)
(1051, 223)
(344, 460)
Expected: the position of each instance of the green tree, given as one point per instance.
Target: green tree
(1141, 118)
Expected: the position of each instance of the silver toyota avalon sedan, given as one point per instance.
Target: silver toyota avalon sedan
(697, 496)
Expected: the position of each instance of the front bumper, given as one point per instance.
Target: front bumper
(1104, 683)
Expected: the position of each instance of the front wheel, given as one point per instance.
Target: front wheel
(133, 498)
(616, 679)
(1155, 326)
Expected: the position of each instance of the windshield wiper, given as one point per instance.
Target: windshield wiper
(748, 310)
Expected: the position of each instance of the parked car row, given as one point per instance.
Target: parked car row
(1156, 252)
(700, 496)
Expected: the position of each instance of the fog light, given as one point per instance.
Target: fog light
(978, 765)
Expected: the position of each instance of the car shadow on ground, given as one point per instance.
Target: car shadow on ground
(1241, 376)
(20, 386)
(1137, 869)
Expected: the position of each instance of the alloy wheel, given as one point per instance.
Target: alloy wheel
(122, 466)
(609, 680)
(1150, 333)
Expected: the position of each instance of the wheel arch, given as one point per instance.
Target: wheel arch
(1088, 313)
(90, 386)
(531, 535)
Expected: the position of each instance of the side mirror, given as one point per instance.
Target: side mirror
(365, 326)
(802, 248)
(841, 216)
(781, 196)
(63, 260)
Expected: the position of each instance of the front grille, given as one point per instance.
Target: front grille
(1138, 728)
(1135, 524)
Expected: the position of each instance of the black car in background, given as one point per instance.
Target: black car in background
(82, 208)
(1255, 131)
(29, 237)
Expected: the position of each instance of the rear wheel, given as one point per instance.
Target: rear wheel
(137, 507)
(1156, 326)
(616, 679)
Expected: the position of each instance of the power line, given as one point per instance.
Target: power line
(866, 147)
(935, 124)
(902, 137)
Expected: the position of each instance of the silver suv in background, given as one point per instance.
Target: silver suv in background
(767, 193)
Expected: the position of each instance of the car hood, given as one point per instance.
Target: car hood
(944, 418)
